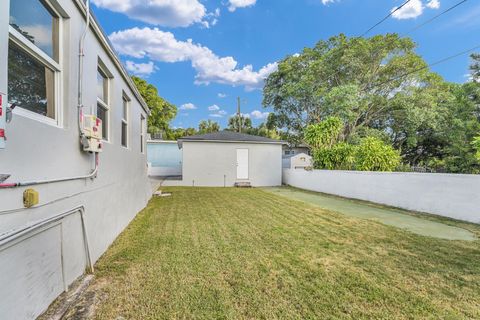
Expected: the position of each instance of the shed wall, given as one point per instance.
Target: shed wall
(213, 164)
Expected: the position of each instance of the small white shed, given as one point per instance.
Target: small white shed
(226, 159)
(298, 161)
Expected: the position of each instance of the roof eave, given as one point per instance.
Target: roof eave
(233, 141)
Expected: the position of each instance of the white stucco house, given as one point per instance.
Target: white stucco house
(74, 150)
(226, 159)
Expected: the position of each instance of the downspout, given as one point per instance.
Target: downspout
(81, 55)
(93, 174)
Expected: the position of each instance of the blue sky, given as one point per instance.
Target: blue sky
(201, 55)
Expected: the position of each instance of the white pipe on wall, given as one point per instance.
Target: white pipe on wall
(13, 235)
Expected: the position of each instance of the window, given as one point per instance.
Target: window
(103, 110)
(142, 133)
(125, 118)
(33, 58)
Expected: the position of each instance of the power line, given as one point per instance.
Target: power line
(427, 66)
(437, 16)
(386, 17)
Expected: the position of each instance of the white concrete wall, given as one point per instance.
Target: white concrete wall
(212, 164)
(164, 171)
(29, 269)
(449, 195)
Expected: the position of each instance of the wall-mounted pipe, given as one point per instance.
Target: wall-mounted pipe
(81, 55)
(79, 115)
(92, 175)
(13, 235)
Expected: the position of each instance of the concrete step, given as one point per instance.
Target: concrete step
(243, 184)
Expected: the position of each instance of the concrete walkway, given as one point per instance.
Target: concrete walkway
(389, 216)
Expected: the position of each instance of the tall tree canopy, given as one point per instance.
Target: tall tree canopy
(239, 122)
(378, 87)
(162, 112)
(355, 79)
(475, 67)
(208, 126)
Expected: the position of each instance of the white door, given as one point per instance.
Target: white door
(242, 164)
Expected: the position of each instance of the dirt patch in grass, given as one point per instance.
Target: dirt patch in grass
(209, 253)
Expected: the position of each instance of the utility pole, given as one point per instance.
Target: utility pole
(239, 115)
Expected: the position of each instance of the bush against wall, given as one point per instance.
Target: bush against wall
(369, 153)
(476, 146)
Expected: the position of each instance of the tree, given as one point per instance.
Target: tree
(476, 146)
(175, 134)
(324, 134)
(332, 152)
(234, 123)
(475, 67)
(162, 112)
(208, 126)
(355, 79)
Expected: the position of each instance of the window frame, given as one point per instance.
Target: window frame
(125, 120)
(143, 134)
(48, 62)
(106, 95)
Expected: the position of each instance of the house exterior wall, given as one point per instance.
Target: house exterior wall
(38, 266)
(449, 195)
(213, 164)
(4, 15)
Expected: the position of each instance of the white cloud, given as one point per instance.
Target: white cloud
(414, 9)
(222, 95)
(214, 108)
(140, 69)
(326, 2)
(218, 114)
(188, 106)
(42, 34)
(162, 46)
(433, 4)
(211, 19)
(259, 115)
(235, 4)
(411, 10)
(168, 13)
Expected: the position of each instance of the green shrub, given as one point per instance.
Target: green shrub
(476, 146)
(339, 157)
(323, 134)
(372, 154)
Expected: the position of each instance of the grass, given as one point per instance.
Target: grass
(216, 253)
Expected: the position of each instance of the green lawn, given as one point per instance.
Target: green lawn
(222, 253)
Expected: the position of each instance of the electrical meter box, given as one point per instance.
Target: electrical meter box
(92, 129)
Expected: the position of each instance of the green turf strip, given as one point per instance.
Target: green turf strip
(389, 216)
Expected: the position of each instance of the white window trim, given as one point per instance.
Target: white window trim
(125, 103)
(105, 104)
(143, 133)
(50, 63)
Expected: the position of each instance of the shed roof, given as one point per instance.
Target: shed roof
(229, 136)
